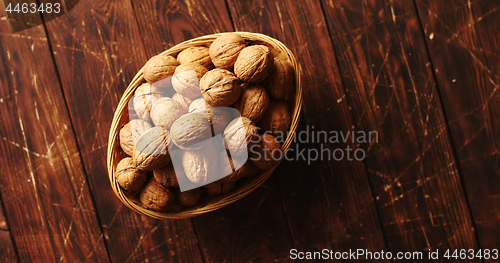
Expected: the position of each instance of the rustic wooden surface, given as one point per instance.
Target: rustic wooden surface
(423, 74)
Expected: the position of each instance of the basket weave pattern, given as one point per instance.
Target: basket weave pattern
(114, 154)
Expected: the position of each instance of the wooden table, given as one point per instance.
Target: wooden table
(424, 74)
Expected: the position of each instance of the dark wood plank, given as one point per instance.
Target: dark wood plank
(98, 49)
(463, 42)
(7, 249)
(44, 187)
(328, 203)
(389, 83)
(253, 229)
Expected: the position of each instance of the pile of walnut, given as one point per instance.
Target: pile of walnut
(168, 114)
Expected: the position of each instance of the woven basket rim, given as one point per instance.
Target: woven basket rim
(233, 195)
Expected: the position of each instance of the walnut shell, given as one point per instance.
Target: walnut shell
(217, 187)
(191, 130)
(220, 88)
(225, 49)
(167, 177)
(186, 80)
(239, 135)
(196, 54)
(276, 119)
(201, 165)
(188, 198)
(253, 102)
(232, 168)
(166, 111)
(279, 83)
(253, 64)
(198, 105)
(158, 68)
(129, 177)
(151, 149)
(130, 133)
(266, 154)
(156, 197)
(143, 101)
(183, 101)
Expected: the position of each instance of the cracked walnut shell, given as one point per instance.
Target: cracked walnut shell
(253, 64)
(225, 50)
(220, 88)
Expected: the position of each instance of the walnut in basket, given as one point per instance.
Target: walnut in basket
(279, 83)
(151, 149)
(186, 80)
(253, 64)
(234, 168)
(145, 97)
(201, 165)
(216, 188)
(191, 130)
(225, 49)
(167, 176)
(128, 176)
(266, 154)
(156, 197)
(130, 133)
(198, 54)
(188, 198)
(277, 118)
(220, 88)
(183, 101)
(166, 111)
(239, 135)
(158, 68)
(198, 105)
(253, 102)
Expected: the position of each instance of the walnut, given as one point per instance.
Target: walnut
(151, 149)
(250, 170)
(183, 101)
(186, 80)
(220, 88)
(267, 153)
(189, 198)
(232, 168)
(253, 64)
(144, 99)
(167, 177)
(191, 130)
(165, 111)
(220, 117)
(129, 177)
(201, 165)
(225, 49)
(217, 187)
(196, 54)
(253, 102)
(130, 133)
(277, 119)
(198, 105)
(239, 135)
(158, 68)
(156, 197)
(279, 83)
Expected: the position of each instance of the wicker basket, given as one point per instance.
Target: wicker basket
(211, 203)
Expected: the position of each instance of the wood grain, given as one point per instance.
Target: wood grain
(463, 43)
(253, 229)
(7, 249)
(328, 203)
(98, 49)
(390, 86)
(44, 187)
